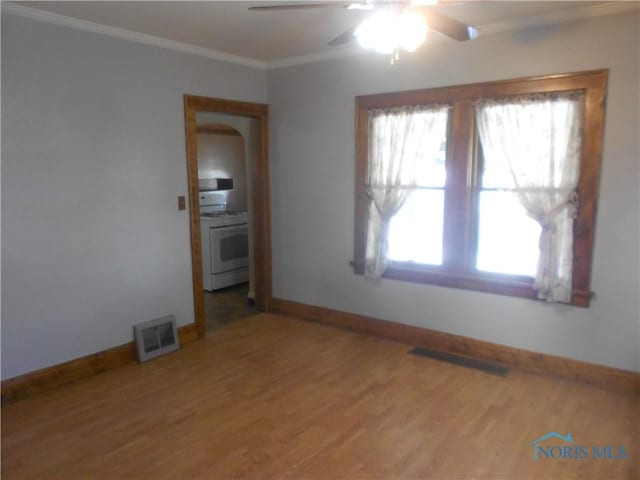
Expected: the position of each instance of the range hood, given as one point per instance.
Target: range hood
(215, 184)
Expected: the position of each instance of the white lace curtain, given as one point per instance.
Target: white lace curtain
(399, 138)
(537, 140)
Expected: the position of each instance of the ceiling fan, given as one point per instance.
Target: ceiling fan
(393, 24)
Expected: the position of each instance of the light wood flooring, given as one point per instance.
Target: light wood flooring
(273, 397)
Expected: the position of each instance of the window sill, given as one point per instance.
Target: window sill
(497, 284)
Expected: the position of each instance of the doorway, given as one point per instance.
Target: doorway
(260, 236)
(227, 305)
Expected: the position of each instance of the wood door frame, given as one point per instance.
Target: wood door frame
(261, 239)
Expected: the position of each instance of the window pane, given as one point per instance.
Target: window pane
(535, 139)
(415, 233)
(431, 171)
(507, 237)
(409, 136)
(494, 174)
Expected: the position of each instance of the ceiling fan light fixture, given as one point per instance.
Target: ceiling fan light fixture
(378, 32)
(412, 32)
(387, 31)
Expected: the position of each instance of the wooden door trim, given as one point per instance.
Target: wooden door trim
(261, 198)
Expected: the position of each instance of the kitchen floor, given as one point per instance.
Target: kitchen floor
(227, 305)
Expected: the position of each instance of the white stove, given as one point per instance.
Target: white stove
(225, 244)
(224, 218)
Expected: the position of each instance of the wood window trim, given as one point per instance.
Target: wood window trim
(592, 83)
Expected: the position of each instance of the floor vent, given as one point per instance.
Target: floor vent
(156, 337)
(488, 367)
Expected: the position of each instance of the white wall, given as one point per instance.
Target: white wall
(222, 156)
(312, 154)
(93, 153)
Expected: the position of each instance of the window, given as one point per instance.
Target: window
(489, 187)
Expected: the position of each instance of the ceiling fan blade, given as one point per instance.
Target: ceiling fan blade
(446, 25)
(344, 38)
(301, 6)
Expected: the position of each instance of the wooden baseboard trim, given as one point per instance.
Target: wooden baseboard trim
(597, 375)
(39, 381)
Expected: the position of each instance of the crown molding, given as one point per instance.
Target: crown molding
(589, 11)
(121, 33)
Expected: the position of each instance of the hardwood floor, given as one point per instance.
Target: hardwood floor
(270, 396)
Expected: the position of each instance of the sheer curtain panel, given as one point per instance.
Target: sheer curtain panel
(537, 140)
(399, 139)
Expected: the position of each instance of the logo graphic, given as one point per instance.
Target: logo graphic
(564, 447)
(535, 443)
